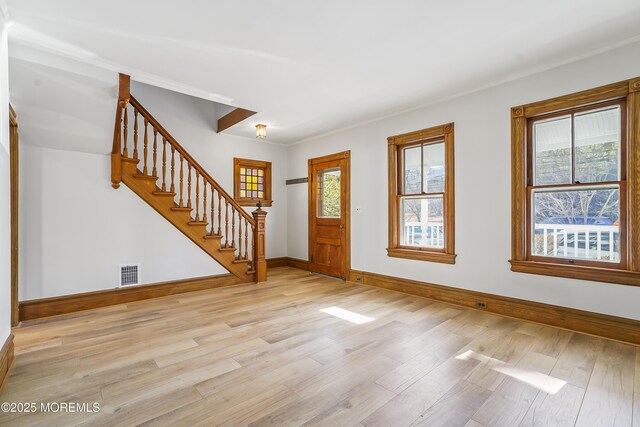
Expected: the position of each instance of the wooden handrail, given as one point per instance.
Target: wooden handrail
(190, 160)
(163, 160)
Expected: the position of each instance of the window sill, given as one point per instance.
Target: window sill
(249, 202)
(422, 255)
(596, 274)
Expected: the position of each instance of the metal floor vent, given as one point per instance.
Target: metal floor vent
(129, 275)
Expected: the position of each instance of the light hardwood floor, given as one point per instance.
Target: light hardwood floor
(266, 355)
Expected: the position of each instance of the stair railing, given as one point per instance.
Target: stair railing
(161, 154)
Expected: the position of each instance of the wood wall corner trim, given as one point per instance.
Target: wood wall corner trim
(13, 117)
(596, 324)
(66, 304)
(6, 361)
(233, 118)
(14, 172)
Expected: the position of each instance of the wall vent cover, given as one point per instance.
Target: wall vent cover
(130, 275)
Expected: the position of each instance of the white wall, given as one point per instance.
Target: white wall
(5, 198)
(76, 230)
(482, 156)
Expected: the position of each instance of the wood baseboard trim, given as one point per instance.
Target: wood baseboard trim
(277, 262)
(298, 263)
(288, 262)
(6, 361)
(596, 324)
(55, 306)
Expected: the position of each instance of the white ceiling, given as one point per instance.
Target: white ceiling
(312, 67)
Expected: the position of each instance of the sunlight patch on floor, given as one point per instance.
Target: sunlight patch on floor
(546, 383)
(347, 315)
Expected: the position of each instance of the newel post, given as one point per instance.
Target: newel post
(124, 94)
(259, 256)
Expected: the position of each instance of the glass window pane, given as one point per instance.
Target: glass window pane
(579, 224)
(328, 203)
(597, 140)
(552, 147)
(422, 221)
(412, 173)
(433, 167)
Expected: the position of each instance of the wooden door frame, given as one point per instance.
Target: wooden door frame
(14, 177)
(346, 178)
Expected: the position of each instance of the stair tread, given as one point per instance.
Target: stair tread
(130, 160)
(164, 193)
(148, 177)
(240, 261)
(181, 209)
(197, 223)
(228, 249)
(213, 236)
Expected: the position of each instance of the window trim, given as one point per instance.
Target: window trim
(626, 272)
(394, 145)
(622, 183)
(248, 163)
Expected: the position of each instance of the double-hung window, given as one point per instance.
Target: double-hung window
(421, 195)
(573, 166)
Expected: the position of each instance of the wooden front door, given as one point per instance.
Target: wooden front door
(329, 215)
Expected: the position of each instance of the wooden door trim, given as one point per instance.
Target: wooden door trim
(14, 180)
(346, 177)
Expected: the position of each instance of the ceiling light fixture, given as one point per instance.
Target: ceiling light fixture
(261, 131)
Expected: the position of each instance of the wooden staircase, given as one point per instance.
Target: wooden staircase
(164, 175)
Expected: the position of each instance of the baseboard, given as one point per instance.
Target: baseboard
(298, 263)
(277, 262)
(46, 307)
(600, 325)
(288, 262)
(6, 361)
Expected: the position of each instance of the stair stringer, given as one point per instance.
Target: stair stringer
(144, 188)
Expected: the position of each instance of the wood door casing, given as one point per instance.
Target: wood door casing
(329, 235)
